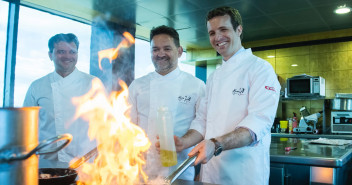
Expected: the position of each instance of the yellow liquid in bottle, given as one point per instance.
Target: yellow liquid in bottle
(168, 158)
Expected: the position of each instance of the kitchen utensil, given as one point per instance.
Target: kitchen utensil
(59, 176)
(184, 165)
(18, 137)
(83, 159)
(62, 176)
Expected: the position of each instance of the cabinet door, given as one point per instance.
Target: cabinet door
(276, 176)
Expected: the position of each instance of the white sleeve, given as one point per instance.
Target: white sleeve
(29, 100)
(263, 101)
(132, 110)
(199, 123)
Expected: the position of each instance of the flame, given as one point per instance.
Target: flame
(112, 53)
(121, 144)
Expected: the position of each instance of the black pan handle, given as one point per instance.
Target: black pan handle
(37, 150)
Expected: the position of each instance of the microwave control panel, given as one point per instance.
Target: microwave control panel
(316, 85)
(341, 122)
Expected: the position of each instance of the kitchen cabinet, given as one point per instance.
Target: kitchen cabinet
(311, 164)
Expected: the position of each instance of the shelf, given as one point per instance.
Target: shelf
(303, 98)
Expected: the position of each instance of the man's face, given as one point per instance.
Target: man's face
(64, 57)
(165, 54)
(223, 38)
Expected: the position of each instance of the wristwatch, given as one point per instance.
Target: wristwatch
(218, 147)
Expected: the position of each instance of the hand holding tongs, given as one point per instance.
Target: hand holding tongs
(174, 175)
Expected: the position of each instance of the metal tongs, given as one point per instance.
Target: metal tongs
(83, 159)
(174, 175)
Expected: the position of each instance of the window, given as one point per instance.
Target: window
(32, 61)
(144, 64)
(4, 8)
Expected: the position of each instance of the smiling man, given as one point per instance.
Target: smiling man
(53, 93)
(238, 110)
(167, 87)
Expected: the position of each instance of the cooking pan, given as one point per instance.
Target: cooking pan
(63, 176)
(59, 176)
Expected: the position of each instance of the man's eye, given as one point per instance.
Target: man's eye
(73, 52)
(61, 52)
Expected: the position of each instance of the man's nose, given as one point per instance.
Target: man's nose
(161, 53)
(218, 36)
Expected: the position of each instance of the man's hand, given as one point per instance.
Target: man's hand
(191, 138)
(178, 143)
(205, 150)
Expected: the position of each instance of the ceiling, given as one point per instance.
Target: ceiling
(262, 19)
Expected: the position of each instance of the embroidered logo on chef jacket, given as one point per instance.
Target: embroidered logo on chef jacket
(270, 88)
(184, 99)
(238, 92)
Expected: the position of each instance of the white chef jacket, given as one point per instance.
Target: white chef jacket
(243, 92)
(181, 93)
(53, 94)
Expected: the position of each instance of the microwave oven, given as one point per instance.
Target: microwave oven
(305, 86)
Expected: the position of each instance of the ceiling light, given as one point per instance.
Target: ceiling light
(271, 56)
(294, 65)
(342, 9)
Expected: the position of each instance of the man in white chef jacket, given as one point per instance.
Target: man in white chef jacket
(53, 93)
(234, 119)
(167, 86)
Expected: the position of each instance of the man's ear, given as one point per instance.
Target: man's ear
(180, 51)
(50, 55)
(239, 30)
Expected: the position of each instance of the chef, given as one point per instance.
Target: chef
(167, 87)
(53, 93)
(238, 109)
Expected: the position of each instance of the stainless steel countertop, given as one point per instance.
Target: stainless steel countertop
(308, 154)
(313, 136)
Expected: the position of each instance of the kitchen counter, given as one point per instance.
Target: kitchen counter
(309, 154)
(300, 165)
(313, 136)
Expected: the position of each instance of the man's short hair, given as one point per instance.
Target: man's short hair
(69, 37)
(234, 14)
(166, 30)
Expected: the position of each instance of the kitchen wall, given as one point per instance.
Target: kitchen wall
(332, 61)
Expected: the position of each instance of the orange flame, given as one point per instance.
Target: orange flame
(121, 144)
(112, 53)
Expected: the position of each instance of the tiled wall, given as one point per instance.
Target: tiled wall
(331, 61)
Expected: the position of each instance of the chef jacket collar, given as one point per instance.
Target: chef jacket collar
(239, 51)
(58, 77)
(172, 75)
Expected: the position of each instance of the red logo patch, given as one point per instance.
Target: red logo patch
(270, 88)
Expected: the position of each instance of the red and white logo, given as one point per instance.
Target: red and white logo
(270, 88)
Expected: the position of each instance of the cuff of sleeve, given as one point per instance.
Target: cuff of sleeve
(253, 135)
